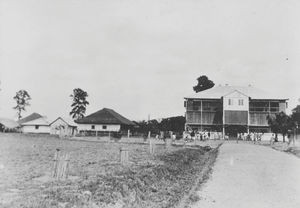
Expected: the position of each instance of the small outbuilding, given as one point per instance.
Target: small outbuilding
(103, 121)
(63, 127)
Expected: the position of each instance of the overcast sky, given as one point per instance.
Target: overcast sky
(142, 57)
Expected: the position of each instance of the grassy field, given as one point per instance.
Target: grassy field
(97, 179)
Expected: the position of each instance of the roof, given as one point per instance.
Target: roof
(219, 91)
(9, 123)
(68, 121)
(31, 117)
(105, 116)
(297, 109)
(40, 121)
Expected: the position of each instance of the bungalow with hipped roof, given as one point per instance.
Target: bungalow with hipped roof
(104, 121)
(35, 123)
(63, 127)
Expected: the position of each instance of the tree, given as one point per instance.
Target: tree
(22, 98)
(175, 124)
(281, 123)
(203, 84)
(79, 103)
(296, 116)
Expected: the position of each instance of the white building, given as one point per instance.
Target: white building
(104, 121)
(63, 127)
(39, 125)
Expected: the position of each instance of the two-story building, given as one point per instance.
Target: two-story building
(232, 109)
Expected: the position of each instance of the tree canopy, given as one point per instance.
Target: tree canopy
(22, 98)
(203, 84)
(79, 103)
(281, 124)
(175, 124)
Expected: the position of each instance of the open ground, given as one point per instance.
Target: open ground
(96, 177)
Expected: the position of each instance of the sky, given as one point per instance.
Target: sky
(141, 57)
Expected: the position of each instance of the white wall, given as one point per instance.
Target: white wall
(31, 129)
(235, 97)
(59, 127)
(99, 127)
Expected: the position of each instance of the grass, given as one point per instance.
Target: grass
(159, 180)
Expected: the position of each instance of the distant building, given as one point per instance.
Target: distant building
(8, 125)
(105, 120)
(35, 123)
(297, 109)
(232, 109)
(63, 127)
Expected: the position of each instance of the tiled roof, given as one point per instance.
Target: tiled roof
(105, 116)
(218, 91)
(31, 117)
(42, 121)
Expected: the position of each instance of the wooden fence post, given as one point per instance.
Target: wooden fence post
(124, 156)
(61, 165)
(168, 144)
(152, 146)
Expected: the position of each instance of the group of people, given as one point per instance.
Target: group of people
(252, 136)
(205, 135)
(201, 135)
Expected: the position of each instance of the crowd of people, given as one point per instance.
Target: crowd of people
(201, 135)
(205, 135)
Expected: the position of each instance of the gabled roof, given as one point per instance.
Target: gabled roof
(9, 123)
(42, 121)
(31, 117)
(105, 116)
(218, 91)
(68, 121)
(234, 92)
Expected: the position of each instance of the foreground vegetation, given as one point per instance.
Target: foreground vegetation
(96, 177)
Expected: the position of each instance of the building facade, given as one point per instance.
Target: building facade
(38, 126)
(232, 109)
(103, 122)
(63, 127)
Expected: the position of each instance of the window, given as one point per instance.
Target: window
(93, 127)
(104, 127)
(230, 101)
(241, 102)
(37, 126)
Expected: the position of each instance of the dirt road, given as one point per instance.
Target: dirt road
(247, 175)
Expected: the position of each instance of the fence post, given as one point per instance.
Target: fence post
(61, 165)
(55, 163)
(128, 133)
(152, 146)
(124, 156)
(168, 144)
(149, 134)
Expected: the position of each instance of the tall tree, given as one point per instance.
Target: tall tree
(281, 123)
(79, 103)
(22, 98)
(203, 84)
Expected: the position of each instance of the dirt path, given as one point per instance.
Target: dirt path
(247, 175)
